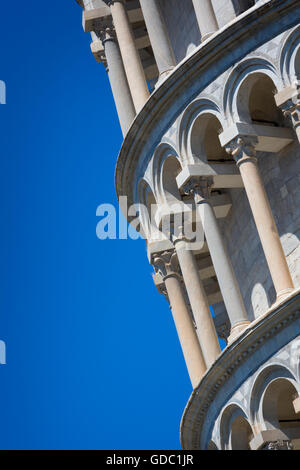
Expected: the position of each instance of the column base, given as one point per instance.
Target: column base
(283, 294)
(163, 76)
(207, 36)
(237, 329)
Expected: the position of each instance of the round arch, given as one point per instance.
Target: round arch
(192, 114)
(147, 207)
(235, 429)
(239, 86)
(290, 57)
(267, 375)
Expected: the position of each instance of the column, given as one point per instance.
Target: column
(200, 189)
(130, 55)
(205, 326)
(242, 148)
(117, 78)
(166, 264)
(288, 100)
(206, 18)
(159, 37)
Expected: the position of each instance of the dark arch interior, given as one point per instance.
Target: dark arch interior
(262, 106)
(297, 64)
(278, 409)
(241, 434)
(213, 149)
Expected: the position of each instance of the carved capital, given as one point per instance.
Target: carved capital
(107, 34)
(199, 188)
(166, 264)
(293, 111)
(112, 2)
(288, 101)
(278, 445)
(242, 148)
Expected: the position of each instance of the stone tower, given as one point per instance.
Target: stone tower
(208, 97)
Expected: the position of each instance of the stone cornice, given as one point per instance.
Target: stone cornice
(253, 339)
(226, 47)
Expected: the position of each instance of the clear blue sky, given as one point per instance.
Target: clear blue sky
(93, 359)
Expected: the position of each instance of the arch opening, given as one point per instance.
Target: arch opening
(170, 171)
(241, 434)
(205, 142)
(278, 410)
(256, 103)
(297, 65)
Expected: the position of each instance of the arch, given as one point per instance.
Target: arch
(204, 143)
(193, 112)
(264, 378)
(290, 57)
(278, 411)
(170, 169)
(163, 152)
(235, 429)
(147, 207)
(277, 407)
(240, 84)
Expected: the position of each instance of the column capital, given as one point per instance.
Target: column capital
(106, 33)
(199, 188)
(112, 2)
(288, 100)
(166, 264)
(242, 148)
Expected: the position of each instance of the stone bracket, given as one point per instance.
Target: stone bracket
(92, 19)
(224, 175)
(270, 139)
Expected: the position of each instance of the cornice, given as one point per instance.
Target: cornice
(233, 42)
(253, 339)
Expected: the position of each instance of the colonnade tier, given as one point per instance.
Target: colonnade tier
(130, 55)
(118, 80)
(161, 46)
(242, 148)
(166, 264)
(159, 37)
(200, 345)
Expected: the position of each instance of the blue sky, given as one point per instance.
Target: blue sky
(93, 359)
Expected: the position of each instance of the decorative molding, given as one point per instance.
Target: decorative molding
(254, 338)
(193, 75)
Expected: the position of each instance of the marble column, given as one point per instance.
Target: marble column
(206, 18)
(200, 189)
(242, 148)
(198, 300)
(159, 37)
(130, 54)
(117, 77)
(166, 264)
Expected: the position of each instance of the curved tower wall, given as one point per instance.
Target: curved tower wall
(209, 104)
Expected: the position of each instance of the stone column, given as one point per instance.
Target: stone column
(206, 18)
(113, 61)
(242, 148)
(288, 100)
(200, 189)
(205, 326)
(159, 37)
(130, 55)
(166, 264)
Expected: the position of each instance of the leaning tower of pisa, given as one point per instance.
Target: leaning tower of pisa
(208, 97)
